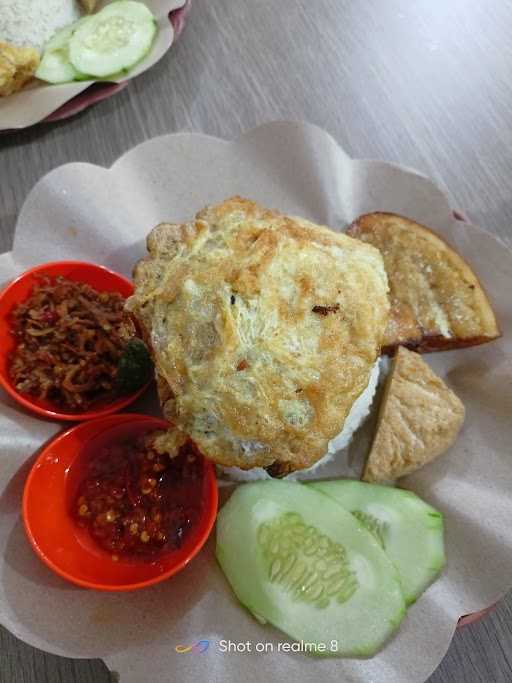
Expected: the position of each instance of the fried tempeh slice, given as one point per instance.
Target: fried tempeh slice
(437, 302)
(419, 419)
(17, 67)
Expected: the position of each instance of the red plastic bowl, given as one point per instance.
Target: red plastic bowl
(68, 549)
(100, 278)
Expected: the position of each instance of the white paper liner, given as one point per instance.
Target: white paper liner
(85, 212)
(35, 102)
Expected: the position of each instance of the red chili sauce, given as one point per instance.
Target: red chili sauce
(138, 502)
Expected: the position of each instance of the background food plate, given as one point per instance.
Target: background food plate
(57, 102)
(103, 215)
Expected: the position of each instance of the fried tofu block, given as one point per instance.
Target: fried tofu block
(419, 419)
(17, 67)
(437, 302)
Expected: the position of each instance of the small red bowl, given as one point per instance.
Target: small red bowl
(19, 290)
(68, 549)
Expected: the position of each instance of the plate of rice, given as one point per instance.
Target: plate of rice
(27, 29)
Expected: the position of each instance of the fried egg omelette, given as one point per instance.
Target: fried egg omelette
(264, 329)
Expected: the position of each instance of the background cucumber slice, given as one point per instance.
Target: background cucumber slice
(410, 531)
(112, 40)
(297, 559)
(55, 66)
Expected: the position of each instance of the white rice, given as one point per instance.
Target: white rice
(357, 415)
(31, 23)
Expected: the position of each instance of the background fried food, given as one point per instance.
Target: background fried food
(89, 5)
(17, 67)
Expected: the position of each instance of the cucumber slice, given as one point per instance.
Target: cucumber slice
(295, 558)
(409, 530)
(55, 66)
(113, 40)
